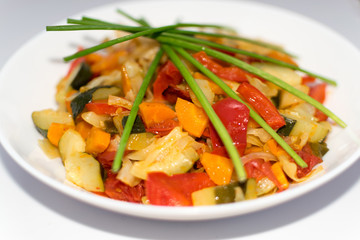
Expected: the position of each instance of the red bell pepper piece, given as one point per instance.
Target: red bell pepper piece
(307, 79)
(235, 117)
(101, 108)
(262, 105)
(175, 190)
(106, 158)
(167, 75)
(311, 160)
(318, 92)
(163, 128)
(75, 63)
(118, 190)
(230, 73)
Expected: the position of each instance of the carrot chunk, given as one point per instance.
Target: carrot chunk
(97, 141)
(55, 132)
(153, 113)
(192, 118)
(84, 129)
(218, 168)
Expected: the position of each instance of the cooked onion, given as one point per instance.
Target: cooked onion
(256, 155)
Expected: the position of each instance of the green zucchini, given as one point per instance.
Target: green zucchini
(43, 119)
(81, 75)
(138, 126)
(70, 143)
(78, 103)
(319, 149)
(103, 93)
(276, 100)
(285, 130)
(218, 195)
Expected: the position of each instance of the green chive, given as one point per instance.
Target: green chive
(251, 54)
(116, 41)
(233, 95)
(218, 125)
(133, 112)
(235, 37)
(93, 27)
(140, 21)
(256, 71)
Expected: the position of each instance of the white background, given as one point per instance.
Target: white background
(31, 210)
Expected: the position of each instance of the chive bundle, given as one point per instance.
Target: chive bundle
(173, 42)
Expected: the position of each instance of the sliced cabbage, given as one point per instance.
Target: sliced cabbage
(264, 186)
(290, 168)
(125, 175)
(206, 89)
(171, 154)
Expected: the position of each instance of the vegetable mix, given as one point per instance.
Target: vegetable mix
(176, 117)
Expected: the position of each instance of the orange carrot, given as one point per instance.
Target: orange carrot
(153, 113)
(280, 175)
(84, 129)
(218, 168)
(106, 64)
(98, 141)
(55, 132)
(282, 57)
(126, 83)
(272, 146)
(192, 118)
(252, 150)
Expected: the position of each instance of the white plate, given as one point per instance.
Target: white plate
(27, 83)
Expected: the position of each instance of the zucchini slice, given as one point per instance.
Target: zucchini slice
(104, 93)
(138, 126)
(83, 170)
(285, 130)
(78, 103)
(71, 143)
(43, 119)
(319, 149)
(218, 195)
(81, 75)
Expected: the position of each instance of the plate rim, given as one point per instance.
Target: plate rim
(182, 215)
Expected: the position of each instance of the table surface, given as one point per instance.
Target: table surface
(31, 210)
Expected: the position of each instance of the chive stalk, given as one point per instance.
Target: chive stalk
(140, 21)
(234, 37)
(256, 71)
(215, 120)
(133, 112)
(251, 54)
(116, 41)
(79, 27)
(233, 95)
